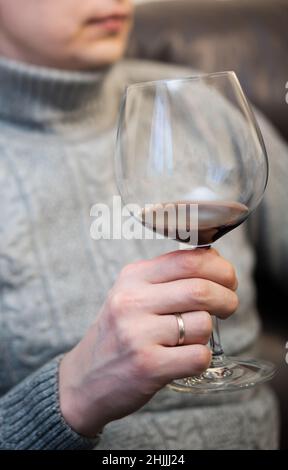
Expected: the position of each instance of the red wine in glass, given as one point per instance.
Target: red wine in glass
(177, 220)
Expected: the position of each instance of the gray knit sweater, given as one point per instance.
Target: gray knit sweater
(57, 137)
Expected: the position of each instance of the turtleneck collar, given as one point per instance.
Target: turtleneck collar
(49, 98)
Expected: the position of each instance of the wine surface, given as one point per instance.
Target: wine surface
(198, 223)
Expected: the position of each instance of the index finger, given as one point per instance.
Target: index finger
(184, 264)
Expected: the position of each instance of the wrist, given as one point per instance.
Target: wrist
(75, 410)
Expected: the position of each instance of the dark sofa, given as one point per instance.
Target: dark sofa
(247, 36)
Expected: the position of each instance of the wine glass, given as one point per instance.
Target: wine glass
(191, 158)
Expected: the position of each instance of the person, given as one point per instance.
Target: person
(89, 338)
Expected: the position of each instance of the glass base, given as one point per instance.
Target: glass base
(226, 374)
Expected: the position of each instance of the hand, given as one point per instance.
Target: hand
(130, 352)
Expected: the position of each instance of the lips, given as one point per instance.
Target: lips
(112, 23)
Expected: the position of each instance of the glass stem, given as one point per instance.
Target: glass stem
(215, 342)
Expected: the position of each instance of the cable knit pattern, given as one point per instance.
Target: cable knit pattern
(31, 418)
(56, 160)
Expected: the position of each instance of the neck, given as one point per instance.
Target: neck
(52, 98)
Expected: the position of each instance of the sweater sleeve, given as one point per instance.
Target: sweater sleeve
(30, 416)
(268, 226)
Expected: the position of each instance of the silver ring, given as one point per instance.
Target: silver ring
(181, 328)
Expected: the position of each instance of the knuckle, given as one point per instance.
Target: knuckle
(118, 302)
(128, 270)
(133, 269)
(199, 289)
(190, 264)
(123, 301)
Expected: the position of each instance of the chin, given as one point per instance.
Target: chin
(99, 54)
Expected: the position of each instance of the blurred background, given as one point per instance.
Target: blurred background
(251, 38)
